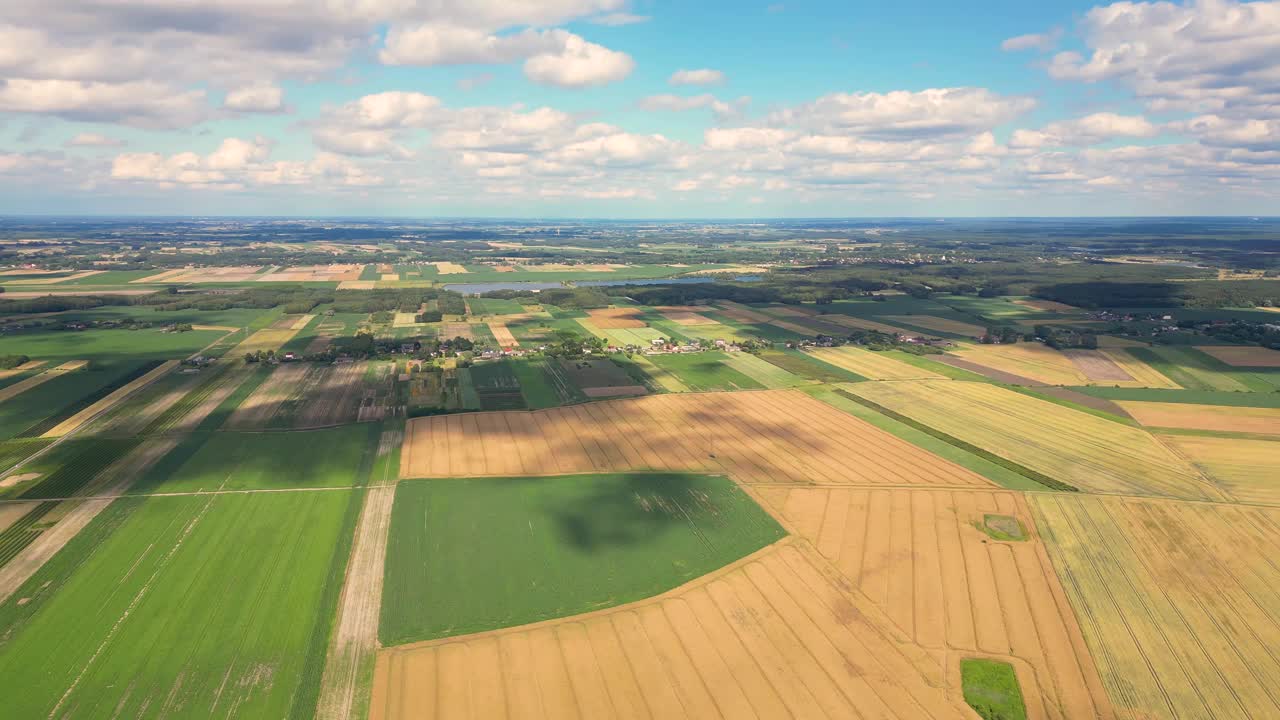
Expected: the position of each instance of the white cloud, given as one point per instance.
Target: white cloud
(679, 103)
(618, 19)
(1043, 42)
(697, 77)
(578, 64)
(901, 114)
(262, 98)
(94, 140)
(1088, 130)
(745, 138)
(1218, 56)
(142, 104)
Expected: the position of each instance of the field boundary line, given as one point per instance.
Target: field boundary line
(699, 581)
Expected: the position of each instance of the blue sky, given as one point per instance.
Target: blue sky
(612, 108)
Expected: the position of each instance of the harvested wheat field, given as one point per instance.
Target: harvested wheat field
(22, 386)
(1068, 445)
(51, 281)
(357, 285)
(773, 636)
(863, 324)
(1204, 417)
(24, 367)
(1248, 470)
(781, 436)
(616, 318)
(1097, 366)
(1142, 374)
(450, 268)
(503, 335)
(688, 318)
(918, 555)
(1030, 360)
(263, 340)
(75, 421)
(955, 327)
(1242, 356)
(1177, 601)
(871, 364)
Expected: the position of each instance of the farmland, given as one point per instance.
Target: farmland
(1224, 418)
(705, 371)
(554, 547)
(106, 626)
(758, 437)
(871, 365)
(773, 636)
(1176, 601)
(1076, 448)
(1245, 469)
(917, 556)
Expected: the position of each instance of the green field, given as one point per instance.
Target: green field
(116, 356)
(1194, 397)
(266, 460)
(1195, 370)
(496, 383)
(808, 366)
(478, 554)
(704, 371)
(545, 384)
(66, 469)
(991, 688)
(181, 607)
(494, 306)
(767, 374)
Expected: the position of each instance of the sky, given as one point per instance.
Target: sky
(639, 108)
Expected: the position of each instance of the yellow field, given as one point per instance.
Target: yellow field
(1204, 417)
(870, 364)
(773, 636)
(80, 418)
(941, 324)
(503, 335)
(53, 281)
(1143, 374)
(356, 285)
(267, 339)
(662, 376)
(24, 385)
(944, 583)
(450, 268)
(404, 320)
(1177, 601)
(1047, 305)
(1029, 360)
(1246, 469)
(1075, 447)
(1240, 356)
(776, 436)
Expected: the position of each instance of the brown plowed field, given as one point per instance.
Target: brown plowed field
(781, 436)
(616, 318)
(1244, 356)
(742, 313)
(918, 556)
(773, 636)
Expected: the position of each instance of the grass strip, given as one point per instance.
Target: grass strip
(1026, 472)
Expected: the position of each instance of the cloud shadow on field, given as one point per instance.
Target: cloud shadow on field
(632, 508)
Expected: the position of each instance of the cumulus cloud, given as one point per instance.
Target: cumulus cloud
(938, 112)
(697, 77)
(1088, 130)
(1043, 42)
(1216, 56)
(618, 19)
(94, 140)
(177, 50)
(678, 103)
(262, 98)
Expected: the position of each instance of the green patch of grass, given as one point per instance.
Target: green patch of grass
(1040, 479)
(521, 550)
(1195, 397)
(497, 385)
(995, 472)
(702, 371)
(494, 306)
(14, 451)
(78, 462)
(1005, 528)
(213, 604)
(264, 460)
(808, 366)
(544, 384)
(991, 688)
